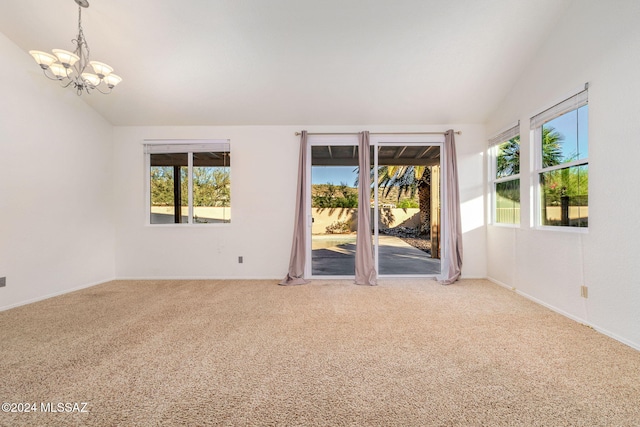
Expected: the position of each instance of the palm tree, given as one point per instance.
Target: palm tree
(551, 156)
(508, 159)
(409, 180)
(551, 149)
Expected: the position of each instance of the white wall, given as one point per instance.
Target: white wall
(263, 175)
(56, 222)
(597, 42)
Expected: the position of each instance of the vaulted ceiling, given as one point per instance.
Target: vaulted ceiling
(295, 62)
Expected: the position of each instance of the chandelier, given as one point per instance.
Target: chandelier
(69, 67)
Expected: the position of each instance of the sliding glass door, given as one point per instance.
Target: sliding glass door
(404, 202)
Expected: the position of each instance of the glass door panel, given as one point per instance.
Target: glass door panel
(334, 209)
(408, 209)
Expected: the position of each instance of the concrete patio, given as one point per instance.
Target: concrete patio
(396, 257)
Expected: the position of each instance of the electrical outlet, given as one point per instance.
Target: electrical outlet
(240, 260)
(3, 281)
(584, 291)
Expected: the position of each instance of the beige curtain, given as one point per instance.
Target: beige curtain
(365, 262)
(451, 229)
(295, 276)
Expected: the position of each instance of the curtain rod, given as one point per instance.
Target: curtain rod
(378, 133)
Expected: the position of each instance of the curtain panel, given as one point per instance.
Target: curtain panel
(295, 275)
(452, 229)
(365, 261)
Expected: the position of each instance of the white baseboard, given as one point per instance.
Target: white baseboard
(499, 283)
(580, 320)
(55, 294)
(198, 278)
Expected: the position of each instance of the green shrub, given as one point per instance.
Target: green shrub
(407, 204)
(334, 196)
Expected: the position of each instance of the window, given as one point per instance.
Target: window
(505, 176)
(188, 182)
(562, 163)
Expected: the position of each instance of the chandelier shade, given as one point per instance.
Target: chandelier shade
(59, 71)
(66, 58)
(70, 68)
(101, 69)
(92, 79)
(43, 59)
(111, 80)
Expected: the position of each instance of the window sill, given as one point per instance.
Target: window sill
(579, 230)
(184, 225)
(504, 225)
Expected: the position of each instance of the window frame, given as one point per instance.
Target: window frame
(536, 134)
(189, 147)
(495, 142)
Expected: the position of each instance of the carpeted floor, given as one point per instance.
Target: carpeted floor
(251, 353)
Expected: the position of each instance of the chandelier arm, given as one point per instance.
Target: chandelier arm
(44, 71)
(103, 92)
(67, 84)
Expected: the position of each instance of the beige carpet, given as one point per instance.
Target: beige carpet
(245, 353)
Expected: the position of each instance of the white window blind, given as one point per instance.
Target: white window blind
(573, 103)
(506, 135)
(157, 146)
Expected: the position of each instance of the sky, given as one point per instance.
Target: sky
(333, 175)
(573, 126)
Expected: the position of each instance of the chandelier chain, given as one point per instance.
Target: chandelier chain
(82, 49)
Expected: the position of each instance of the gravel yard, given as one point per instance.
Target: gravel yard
(410, 236)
